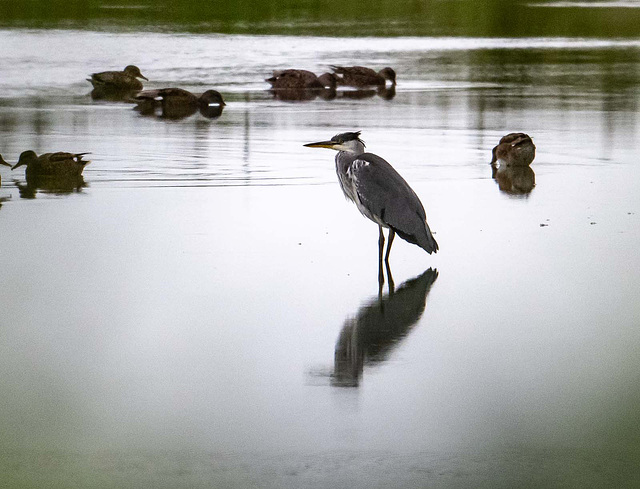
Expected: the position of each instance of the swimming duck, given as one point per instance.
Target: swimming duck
(176, 103)
(126, 79)
(301, 79)
(52, 164)
(514, 149)
(360, 76)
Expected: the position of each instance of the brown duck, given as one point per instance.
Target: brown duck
(361, 76)
(126, 79)
(52, 164)
(176, 103)
(514, 149)
(301, 79)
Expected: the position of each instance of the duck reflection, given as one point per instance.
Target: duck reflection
(50, 184)
(514, 180)
(113, 94)
(370, 336)
(302, 94)
(386, 93)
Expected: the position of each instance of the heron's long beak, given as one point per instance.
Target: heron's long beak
(321, 144)
(18, 164)
(143, 77)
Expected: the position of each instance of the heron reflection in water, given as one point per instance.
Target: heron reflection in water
(370, 336)
(380, 194)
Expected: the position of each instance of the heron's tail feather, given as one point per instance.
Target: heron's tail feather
(430, 245)
(424, 240)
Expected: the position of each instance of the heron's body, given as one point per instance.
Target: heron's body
(126, 79)
(301, 79)
(58, 164)
(379, 192)
(514, 149)
(176, 102)
(361, 76)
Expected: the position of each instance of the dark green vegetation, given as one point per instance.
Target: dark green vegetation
(488, 18)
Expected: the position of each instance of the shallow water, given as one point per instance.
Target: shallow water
(205, 312)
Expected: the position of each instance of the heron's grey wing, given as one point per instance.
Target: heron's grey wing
(386, 195)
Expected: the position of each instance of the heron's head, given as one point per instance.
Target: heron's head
(26, 157)
(346, 141)
(134, 71)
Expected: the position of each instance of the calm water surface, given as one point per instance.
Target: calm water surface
(204, 310)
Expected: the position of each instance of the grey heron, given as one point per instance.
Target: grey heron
(361, 76)
(176, 102)
(126, 79)
(379, 192)
(514, 149)
(52, 164)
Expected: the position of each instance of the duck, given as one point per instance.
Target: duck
(301, 79)
(176, 103)
(514, 149)
(361, 76)
(58, 164)
(126, 79)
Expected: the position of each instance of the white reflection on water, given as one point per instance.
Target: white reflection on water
(44, 62)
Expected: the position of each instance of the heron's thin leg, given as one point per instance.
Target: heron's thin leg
(392, 285)
(392, 234)
(380, 249)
